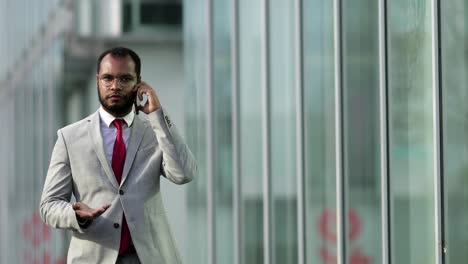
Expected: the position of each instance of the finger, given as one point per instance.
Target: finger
(150, 95)
(76, 206)
(140, 93)
(98, 212)
(84, 214)
(102, 209)
(95, 213)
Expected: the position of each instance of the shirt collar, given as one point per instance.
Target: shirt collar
(107, 118)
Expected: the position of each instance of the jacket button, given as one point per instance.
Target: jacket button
(121, 192)
(116, 225)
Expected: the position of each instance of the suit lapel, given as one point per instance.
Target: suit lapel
(136, 135)
(94, 131)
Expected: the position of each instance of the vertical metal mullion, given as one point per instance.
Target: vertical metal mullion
(340, 177)
(384, 168)
(40, 151)
(5, 172)
(267, 208)
(210, 139)
(437, 136)
(6, 165)
(299, 133)
(236, 148)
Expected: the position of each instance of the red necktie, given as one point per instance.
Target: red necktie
(118, 160)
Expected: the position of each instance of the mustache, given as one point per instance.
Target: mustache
(120, 95)
(114, 95)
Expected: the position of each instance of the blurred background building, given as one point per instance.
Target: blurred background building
(325, 131)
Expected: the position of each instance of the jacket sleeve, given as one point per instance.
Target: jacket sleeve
(178, 164)
(55, 207)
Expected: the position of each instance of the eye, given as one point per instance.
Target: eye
(125, 79)
(107, 78)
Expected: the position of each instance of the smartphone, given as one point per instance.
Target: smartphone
(137, 101)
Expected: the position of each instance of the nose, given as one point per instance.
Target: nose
(115, 84)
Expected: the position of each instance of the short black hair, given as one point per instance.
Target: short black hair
(121, 52)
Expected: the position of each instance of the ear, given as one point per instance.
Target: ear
(138, 81)
(135, 87)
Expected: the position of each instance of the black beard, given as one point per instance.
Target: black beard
(119, 110)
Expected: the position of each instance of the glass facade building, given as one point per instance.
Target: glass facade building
(47, 80)
(30, 74)
(327, 131)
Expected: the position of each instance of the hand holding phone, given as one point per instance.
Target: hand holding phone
(151, 103)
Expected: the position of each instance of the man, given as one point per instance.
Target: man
(111, 162)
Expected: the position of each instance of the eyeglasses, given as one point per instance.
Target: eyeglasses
(123, 81)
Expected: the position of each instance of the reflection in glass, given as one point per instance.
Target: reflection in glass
(25, 154)
(283, 130)
(319, 132)
(251, 130)
(454, 39)
(223, 131)
(361, 130)
(196, 54)
(411, 131)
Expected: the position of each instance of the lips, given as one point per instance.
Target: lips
(115, 96)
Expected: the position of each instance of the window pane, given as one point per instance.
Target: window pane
(319, 132)
(196, 69)
(223, 131)
(455, 127)
(361, 130)
(251, 130)
(411, 131)
(283, 130)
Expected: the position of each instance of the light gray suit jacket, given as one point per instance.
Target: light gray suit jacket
(79, 166)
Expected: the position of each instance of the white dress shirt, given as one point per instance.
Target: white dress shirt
(109, 131)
